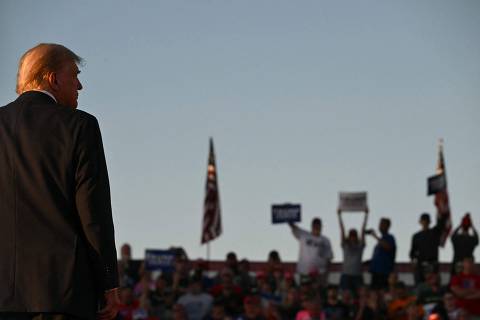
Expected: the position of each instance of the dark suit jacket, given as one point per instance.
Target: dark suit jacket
(57, 249)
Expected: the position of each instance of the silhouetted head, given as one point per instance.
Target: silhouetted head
(126, 252)
(353, 236)
(384, 225)
(232, 261)
(274, 256)
(316, 226)
(424, 220)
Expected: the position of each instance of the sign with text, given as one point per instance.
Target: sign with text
(159, 260)
(436, 184)
(283, 213)
(352, 201)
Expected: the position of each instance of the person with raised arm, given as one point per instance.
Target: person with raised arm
(352, 246)
(463, 242)
(315, 251)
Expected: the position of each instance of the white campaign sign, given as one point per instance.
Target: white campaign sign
(352, 201)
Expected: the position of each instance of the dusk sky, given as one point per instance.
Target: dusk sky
(302, 98)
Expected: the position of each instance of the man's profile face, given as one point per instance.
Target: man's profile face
(68, 85)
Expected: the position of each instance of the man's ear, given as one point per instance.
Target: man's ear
(52, 81)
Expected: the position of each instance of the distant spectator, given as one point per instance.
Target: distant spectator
(371, 306)
(348, 300)
(274, 269)
(389, 293)
(128, 304)
(231, 262)
(179, 312)
(415, 312)
(466, 287)
(383, 259)
(463, 242)
(246, 281)
(288, 282)
(252, 308)
(430, 292)
(334, 308)
(312, 308)
(352, 246)
(181, 274)
(265, 290)
(450, 306)
(144, 284)
(161, 297)
(197, 303)
(218, 311)
(424, 248)
(290, 304)
(397, 309)
(128, 269)
(229, 293)
(315, 250)
(200, 269)
(272, 312)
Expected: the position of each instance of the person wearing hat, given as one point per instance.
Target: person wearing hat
(463, 242)
(424, 248)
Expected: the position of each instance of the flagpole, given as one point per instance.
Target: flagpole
(208, 251)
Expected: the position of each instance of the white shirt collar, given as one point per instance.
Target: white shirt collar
(47, 93)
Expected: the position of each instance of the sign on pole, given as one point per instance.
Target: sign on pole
(285, 213)
(352, 201)
(436, 184)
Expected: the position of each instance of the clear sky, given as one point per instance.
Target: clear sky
(303, 99)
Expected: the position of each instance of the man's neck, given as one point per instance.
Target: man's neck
(48, 93)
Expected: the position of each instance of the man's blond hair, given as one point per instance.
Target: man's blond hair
(39, 62)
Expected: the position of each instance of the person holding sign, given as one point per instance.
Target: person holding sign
(315, 250)
(352, 247)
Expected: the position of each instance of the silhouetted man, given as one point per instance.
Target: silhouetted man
(463, 242)
(383, 259)
(57, 249)
(424, 249)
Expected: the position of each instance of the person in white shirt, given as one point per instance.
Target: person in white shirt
(197, 303)
(315, 251)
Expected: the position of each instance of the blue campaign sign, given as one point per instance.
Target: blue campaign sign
(282, 213)
(159, 260)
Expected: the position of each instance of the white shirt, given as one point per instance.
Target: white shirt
(315, 252)
(197, 306)
(47, 93)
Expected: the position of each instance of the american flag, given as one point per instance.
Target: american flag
(212, 222)
(441, 198)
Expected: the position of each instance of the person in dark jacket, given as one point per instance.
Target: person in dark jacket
(424, 248)
(463, 242)
(57, 248)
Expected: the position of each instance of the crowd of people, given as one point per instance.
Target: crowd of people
(191, 291)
